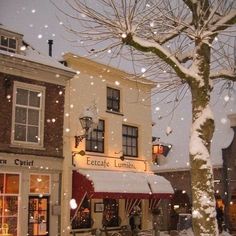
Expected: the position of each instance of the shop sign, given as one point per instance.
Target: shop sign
(28, 162)
(98, 162)
(17, 162)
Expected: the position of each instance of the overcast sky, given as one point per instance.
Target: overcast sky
(38, 21)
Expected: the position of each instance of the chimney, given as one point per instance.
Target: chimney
(50, 43)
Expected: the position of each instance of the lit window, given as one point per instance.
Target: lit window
(39, 184)
(28, 114)
(110, 213)
(9, 195)
(82, 218)
(7, 44)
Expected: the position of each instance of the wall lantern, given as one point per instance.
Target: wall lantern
(159, 149)
(86, 123)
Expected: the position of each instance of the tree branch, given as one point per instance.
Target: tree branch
(224, 22)
(160, 51)
(223, 74)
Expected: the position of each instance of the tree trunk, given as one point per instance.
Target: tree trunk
(203, 199)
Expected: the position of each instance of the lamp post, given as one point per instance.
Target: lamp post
(86, 123)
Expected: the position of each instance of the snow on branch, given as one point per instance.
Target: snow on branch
(160, 51)
(223, 74)
(224, 22)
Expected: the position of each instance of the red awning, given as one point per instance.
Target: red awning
(120, 185)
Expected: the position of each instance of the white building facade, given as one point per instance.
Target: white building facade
(106, 176)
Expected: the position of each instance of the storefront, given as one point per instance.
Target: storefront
(29, 195)
(112, 192)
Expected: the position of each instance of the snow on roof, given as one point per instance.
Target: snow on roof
(13, 30)
(34, 55)
(30, 54)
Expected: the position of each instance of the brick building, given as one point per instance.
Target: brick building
(31, 137)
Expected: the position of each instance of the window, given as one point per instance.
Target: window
(130, 141)
(82, 218)
(95, 139)
(7, 44)
(9, 195)
(28, 114)
(110, 214)
(113, 99)
(39, 184)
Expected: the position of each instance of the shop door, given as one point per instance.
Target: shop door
(38, 217)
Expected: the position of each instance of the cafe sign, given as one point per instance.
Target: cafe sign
(109, 163)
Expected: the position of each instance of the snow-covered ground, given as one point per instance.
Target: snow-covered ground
(190, 233)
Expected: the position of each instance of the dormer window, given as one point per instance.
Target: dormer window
(8, 44)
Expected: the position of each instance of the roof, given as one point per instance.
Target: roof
(12, 30)
(85, 62)
(32, 55)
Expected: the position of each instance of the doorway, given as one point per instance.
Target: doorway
(38, 216)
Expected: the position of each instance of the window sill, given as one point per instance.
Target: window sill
(27, 146)
(115, 113)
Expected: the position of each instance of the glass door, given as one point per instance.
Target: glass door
(38, 217)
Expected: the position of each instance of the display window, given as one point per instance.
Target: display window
(9, 203)
(82, 218)
(110, 213)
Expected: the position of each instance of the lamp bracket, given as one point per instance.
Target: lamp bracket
(78, 139)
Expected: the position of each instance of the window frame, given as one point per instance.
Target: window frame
(90, 140)
(125, 145)
(8, 48)
(17, 216)
(41, 109)
(113, 100)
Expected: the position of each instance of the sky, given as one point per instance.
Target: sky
(38, 21)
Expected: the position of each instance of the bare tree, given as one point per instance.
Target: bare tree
(190, 39)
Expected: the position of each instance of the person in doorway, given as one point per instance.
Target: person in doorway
(220, 217)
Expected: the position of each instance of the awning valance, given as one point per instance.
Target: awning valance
(114, 184)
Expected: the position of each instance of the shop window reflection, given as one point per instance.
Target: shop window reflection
(82, 219)
(110, 214)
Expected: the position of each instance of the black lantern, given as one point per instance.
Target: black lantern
(86, 123)
(160, 149)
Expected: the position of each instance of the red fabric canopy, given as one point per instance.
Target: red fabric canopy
(119, 185)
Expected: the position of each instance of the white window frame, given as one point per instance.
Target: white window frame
(35, 88)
